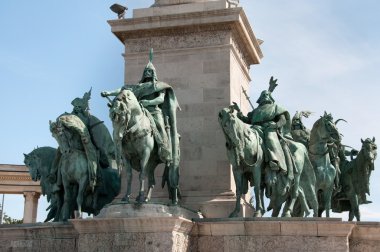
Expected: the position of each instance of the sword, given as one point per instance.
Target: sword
(247, 97)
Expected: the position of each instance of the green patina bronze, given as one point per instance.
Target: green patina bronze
(355, 180)
(293, 165)
(145, 132)
(77, 176)
(324, 134)
(285, 164)
(298, 130)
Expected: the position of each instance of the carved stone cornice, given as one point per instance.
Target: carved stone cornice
(20, 177)
(15, 179)
(200, 28)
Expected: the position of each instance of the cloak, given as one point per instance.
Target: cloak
(169, 110)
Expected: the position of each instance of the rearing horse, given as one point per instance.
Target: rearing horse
(323, 134)
(136, 146)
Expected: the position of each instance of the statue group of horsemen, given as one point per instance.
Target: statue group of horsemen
(279, 157)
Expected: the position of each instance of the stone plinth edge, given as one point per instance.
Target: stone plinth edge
(319, 227)
(133, 225)
(123, 210)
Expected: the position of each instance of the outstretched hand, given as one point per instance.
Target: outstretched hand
(235, 106)
(104, 94)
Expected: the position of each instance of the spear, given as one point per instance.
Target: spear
(247, 97)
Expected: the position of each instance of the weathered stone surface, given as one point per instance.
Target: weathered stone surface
(214, 45)
(177, 234)
(38, 237)
(123, 210)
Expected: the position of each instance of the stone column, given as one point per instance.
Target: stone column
(204, 51)
(30, 206)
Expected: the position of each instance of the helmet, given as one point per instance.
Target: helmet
(149, 70)
(265, 95)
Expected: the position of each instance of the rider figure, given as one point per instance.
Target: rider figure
(154, 95)
(273, 122)
(299, 131)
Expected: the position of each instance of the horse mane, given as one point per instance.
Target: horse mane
(314, 130)
(46, 154)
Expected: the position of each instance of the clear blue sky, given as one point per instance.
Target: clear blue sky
(325, 53)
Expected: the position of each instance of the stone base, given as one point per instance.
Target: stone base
(134, 234)
(131, 210)
(179, 234)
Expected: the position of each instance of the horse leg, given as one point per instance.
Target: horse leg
(128, 170)
(259, 194)
(276, 208)
(327, 199)
(354, 202)
(238, 181)
(304, 205)
(293, 196)
(259, 204)
(351, 215)
(66, 201)
(81, 188)
(262, 199)
(284, 210)
(151, 180)
(143, 168)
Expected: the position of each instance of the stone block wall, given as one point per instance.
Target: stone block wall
(178, 234)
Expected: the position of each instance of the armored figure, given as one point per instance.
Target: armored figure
(273, 123)
(299, 131)
(159, 100)
(99, 134)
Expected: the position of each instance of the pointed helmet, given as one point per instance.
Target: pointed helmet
(149, 70)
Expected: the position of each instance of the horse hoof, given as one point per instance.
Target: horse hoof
(257, 214)
(140, 199)
(287, 214)
(125, 199)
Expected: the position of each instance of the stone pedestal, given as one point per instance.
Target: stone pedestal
(273, 234)
(204, 50)
(30, 206)
(202, 235)
(134, 234)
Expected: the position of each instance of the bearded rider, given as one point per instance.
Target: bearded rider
(159, 99)
(273, 124)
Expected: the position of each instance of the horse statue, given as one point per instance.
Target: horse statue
(245, 150)
(355, 180)
(136, 147)
(86, 187)
(40, 163)
(324, 134)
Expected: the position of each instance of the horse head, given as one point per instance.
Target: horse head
(228, 121)
(122, 106)
(33, 162)
(369, 149)
(325, 128)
